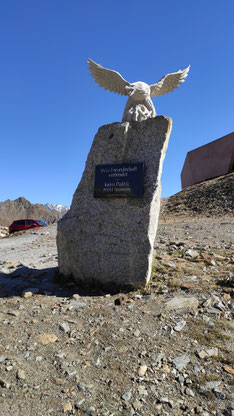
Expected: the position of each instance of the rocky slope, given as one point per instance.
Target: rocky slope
(21, 208)
(212, 198)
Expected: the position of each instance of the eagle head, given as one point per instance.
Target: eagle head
(138, 91)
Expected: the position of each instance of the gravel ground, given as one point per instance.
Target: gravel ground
(166, 350)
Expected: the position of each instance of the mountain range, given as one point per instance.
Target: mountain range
(62, 209)
(21, 208)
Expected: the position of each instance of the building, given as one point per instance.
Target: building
(209, 161)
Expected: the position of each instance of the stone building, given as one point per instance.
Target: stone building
(209, 161)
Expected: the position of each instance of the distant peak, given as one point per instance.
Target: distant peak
(57, 207)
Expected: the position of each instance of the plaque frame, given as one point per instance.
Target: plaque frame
(119, 180)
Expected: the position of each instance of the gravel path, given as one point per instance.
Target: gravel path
(31, 247)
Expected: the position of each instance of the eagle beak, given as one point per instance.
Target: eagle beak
(129, 90)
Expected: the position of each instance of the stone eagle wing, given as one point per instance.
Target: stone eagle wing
(107, 78)
(169, 82)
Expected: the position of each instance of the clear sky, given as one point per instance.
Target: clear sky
(51, 108)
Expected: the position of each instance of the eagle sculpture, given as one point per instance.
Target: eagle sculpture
(139, 105)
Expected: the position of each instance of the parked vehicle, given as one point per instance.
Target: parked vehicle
(20, 225)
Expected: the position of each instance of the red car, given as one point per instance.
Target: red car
(20, 225)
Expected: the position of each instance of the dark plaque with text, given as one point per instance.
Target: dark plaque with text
(119, 180)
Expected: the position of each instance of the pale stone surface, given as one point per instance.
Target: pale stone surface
(139, 105)
(179, 302)
(109, 241)
(181, 361)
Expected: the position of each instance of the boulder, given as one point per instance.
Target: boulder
(108, 241)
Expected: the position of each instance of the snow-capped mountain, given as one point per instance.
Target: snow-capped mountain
(59, 208)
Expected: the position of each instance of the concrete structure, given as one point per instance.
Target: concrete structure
(209, 161)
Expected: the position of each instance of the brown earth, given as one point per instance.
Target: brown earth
(213, 198)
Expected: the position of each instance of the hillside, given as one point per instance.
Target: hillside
(21, 208)
(211, 198)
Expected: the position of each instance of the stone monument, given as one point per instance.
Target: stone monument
(139, 105)
(107, 237)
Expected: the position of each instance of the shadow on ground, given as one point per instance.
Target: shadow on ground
(47, 282)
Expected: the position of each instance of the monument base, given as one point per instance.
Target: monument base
(107, 239)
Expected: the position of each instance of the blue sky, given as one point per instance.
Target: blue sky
(51, 108)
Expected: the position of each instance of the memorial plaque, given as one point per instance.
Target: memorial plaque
(119, 180)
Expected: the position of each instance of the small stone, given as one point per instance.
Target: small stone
(14, 313)
(166, 369)
(181, 361)
(209, 386)
(188, 381)
(46, 338)
(67, 407)
(189, 392)
(142, 391)
(97, 362)
(171, 264)
(179, 302)
(28, 293)
(166, 400)
(181, 380)
(198, 409)
(74, 303)
(136, 333)
(127, 396)
(202, 354)
(137, 405)
(218, 393)
(90, 411)
(65, 327)
(142, 370)
(59, 381)
(76, 296)
(61, 355)
(212, 352)
(208, 302)
(39, 359)
(228, 369)
(81, 386)
(4, 384)
(192, 253)
(159, 357)
(219, 305)
(20, 374)
(179, 326)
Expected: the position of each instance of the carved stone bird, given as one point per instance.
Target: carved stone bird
(139, 105)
